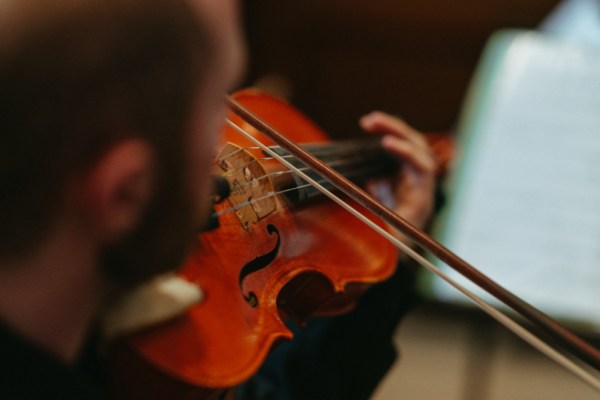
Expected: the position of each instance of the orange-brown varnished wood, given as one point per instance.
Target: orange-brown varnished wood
(323, 251)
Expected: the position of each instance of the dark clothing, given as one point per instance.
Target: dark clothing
(29, 372)
(341, 357)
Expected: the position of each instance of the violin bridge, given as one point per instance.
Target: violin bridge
(252, 191)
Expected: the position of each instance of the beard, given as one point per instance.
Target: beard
(163, 238)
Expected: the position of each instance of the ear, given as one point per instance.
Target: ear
(117, 189)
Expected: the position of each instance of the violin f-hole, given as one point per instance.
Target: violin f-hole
(258, 264)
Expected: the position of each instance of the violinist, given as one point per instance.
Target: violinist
(110, 111)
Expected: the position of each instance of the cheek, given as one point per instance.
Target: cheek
(201, 152)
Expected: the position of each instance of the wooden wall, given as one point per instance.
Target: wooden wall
(343, 58)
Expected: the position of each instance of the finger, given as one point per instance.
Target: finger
(407, 151)
(382, 123)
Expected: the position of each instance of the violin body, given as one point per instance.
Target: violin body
(265, 263)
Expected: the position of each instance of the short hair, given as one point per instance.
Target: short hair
(75, 78)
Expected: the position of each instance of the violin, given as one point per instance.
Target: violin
(270, 258)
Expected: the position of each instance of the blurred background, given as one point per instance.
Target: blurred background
(339, 59)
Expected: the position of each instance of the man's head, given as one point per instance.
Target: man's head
(108, 111)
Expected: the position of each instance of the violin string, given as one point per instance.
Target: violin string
(337, 162)
(228, 155)
(269, 194)
(256, 200)
(576, 367)
(350, 172)
(317, 149)
(241, 167)
(266, 176)
(338, 154)
(348, 146)
(364, 170)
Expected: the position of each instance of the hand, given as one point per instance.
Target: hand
(413, 187)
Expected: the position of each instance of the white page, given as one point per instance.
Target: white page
(525, 203)
(578, 20)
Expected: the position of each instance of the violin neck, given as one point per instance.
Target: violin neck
(358, 160)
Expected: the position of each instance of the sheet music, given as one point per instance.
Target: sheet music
(525, 202)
